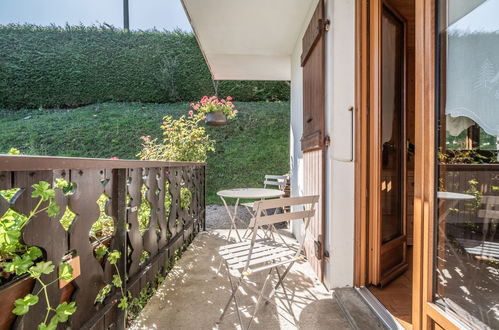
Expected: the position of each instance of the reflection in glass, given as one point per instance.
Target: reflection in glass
(467, 240)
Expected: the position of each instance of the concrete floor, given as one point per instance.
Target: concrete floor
(193, 295)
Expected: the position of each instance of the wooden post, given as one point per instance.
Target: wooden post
(119, 212)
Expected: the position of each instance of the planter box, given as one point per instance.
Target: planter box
(8, 294)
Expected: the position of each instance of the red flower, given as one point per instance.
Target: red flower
(229, 98)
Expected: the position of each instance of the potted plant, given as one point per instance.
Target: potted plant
(213, 111)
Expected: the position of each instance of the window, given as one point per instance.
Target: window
(466, 262)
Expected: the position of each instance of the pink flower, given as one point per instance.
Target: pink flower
(222, 100)
(192, 104)
(235, 111)
(114, 158)
(191, 112)
(229, 98)
(196, 107)
(203, 118)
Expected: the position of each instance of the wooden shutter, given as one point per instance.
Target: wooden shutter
(312, 61)
(312, 142)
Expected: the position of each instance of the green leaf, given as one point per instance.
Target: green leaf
(100, 251)
(44, 267)
(53, 209)
(20, 264)
(9, 236)
(51, 326)
(22, 305)
(117, 281)
(42, 190)
(123, 303)
(34, 253)
(65, 272)
(113, 257)
(65, 310)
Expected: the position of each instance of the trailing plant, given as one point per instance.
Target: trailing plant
(14, 255)
(19, 259)
(183, 140)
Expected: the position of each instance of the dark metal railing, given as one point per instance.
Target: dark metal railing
(152, 220)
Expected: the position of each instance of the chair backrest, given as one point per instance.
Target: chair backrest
(263, 218)
(279, 181)
(491, 210)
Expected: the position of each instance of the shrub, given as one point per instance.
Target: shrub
(76, 65)
(184, 140)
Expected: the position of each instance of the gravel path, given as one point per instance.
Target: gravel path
(217, 217)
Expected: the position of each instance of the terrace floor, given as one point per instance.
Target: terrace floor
(194, 293)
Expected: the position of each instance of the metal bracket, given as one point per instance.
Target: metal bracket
(327, 25)
(327, 141)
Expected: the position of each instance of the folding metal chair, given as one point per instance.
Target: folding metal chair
(278, 181)
(247, 258)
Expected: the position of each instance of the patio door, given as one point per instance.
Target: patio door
(314, 141)
(388, 151)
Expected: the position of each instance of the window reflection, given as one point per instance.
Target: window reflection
(467, 240)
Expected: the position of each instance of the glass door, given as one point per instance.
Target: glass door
(465, 274)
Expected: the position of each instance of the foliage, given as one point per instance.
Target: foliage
(43, 67)
(212, 104)
(184, 140)
(19, 259)
(252, 145)
(12, 252)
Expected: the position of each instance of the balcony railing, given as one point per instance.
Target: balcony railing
(149, 209)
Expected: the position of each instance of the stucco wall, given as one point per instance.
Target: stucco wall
(340, 88)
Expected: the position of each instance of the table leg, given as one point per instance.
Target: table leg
(232, 217)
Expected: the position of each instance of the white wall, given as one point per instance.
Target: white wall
(340, 89)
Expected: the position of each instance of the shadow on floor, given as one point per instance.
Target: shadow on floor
(194, 293)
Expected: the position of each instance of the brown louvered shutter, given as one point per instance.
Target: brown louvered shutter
(312, 61)
(312, 142)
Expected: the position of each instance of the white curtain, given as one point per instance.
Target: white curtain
(472, 75)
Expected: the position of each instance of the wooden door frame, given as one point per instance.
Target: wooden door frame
(425, 313)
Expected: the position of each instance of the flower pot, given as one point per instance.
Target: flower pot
(216, 118)
(9, 292)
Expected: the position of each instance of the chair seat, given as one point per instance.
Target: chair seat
(249, 204)
(266, 253)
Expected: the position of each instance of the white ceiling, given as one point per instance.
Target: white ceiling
(248, 39)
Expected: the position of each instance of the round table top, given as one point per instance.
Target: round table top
(453, 195)
(250, 193)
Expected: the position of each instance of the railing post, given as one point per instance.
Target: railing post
(203, 199)
(119, 211)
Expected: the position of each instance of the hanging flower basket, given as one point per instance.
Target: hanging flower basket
(213, 111)
(216, 118)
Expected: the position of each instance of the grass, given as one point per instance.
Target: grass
(254, 144)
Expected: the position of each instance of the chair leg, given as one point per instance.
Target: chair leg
(260, 297)
(232, 296)
(235, 301)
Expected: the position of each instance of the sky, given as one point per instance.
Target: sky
(144, 14)
(484, 18)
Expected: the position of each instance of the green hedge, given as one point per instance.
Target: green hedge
(42, 67)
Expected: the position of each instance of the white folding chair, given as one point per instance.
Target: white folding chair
(247, 258)
(278, 181)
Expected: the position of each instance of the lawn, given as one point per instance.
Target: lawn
(254, 144)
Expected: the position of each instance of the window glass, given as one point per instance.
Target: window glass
(467, 240)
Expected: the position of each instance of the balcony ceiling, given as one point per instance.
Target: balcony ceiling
(248, 40)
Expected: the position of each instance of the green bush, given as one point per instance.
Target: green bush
(43, 67)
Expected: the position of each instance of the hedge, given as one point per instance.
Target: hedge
(46, 67)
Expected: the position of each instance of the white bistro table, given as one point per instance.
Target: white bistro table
(244, 193)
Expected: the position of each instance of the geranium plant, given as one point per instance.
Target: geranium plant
(212, 104)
